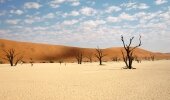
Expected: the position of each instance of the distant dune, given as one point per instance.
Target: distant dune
(46, 52)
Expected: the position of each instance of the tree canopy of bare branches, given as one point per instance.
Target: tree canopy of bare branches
(128, 57)
(152, 57)
(79, 57)
(12, 57)
(90, 56)
(99, 55)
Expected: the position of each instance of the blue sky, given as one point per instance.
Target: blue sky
(87, 23)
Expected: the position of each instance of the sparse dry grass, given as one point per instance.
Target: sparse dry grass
(150, 81)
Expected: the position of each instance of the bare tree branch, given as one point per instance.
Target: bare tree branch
(11, 56)
(129, 52)
(99, 55)
(130, 41)
(90, 56)
(140, 43)
(79, 57)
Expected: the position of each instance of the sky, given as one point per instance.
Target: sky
(87, 23)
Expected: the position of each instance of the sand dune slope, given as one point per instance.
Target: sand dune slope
(45, 52)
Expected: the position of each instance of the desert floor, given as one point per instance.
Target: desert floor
(89, 81)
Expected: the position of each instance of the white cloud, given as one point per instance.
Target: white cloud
(33, 19)
(88, 11)
(3, 32)
(32, 5)
(91, 2)
(159, 2)
(17, 12)
(142, 6)
(140, 14)
(113, 9)
(165, 15)
(65, 15)
(56, 3)
(29, 21)
(2, 1)
(40, 28)
(49, 16)
(152, 26)
(122, 16)
(129, 4)
(126, 16)
(113, 19)
(12, 21)
(70, 22)
(144, 17)
(92, 23)
(134, 5)
(2, 13)
(75, 3)
(74, 13)
(72, 1)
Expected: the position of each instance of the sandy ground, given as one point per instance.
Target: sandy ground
(150, 81)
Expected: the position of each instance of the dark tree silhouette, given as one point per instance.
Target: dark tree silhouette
(79, 57)
(136, 58)
(18, 59)
(152, 57)
(12, 57)
(99, 55)
(31, 61)
(61, 61)
(115, 58)
(128, 57)
(90, 56)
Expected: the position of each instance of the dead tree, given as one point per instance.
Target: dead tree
(18, 59)
(152, 57)
(31, 61)
(99, 55)
(128, 57)
(137, 59)
(79, 57)
(61, 61)
(114, 58)
(12, 57)
(90, 56)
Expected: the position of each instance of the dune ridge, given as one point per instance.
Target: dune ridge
(46, 52)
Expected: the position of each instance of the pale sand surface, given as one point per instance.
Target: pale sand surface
(150, 81)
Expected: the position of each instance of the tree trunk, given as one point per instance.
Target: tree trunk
(100, 61)
(16, 63)
(11, 62)
(130, 64)
(90, 60)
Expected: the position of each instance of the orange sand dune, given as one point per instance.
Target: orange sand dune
(46, 52)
